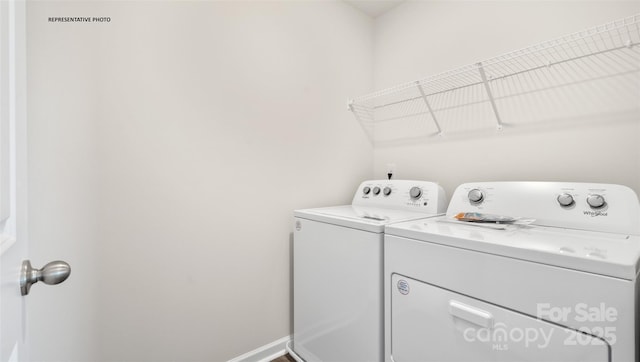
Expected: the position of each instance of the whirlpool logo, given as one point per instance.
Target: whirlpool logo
(595, 213)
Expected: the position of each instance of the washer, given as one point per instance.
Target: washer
(564, 288)
(338, 260)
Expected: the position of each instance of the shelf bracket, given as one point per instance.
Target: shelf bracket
(433, 115)
(490, 95)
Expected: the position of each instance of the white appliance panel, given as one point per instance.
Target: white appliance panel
(619, 212)
(519, 285)
(609, 254)
(367, 218)
(337, 289)
(438, 325)
(419, 196)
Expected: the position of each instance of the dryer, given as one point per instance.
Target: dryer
(563, 288)
(337, 269)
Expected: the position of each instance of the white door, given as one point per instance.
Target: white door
(13, 246)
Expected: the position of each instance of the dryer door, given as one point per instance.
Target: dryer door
(429, 323)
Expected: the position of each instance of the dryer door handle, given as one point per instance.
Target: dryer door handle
(471, 314)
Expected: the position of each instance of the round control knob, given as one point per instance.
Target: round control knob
(415, 192)
(376, 190)
(386, 191)
(366, 190)
(565, 199)
(475, 196)
(596, 201)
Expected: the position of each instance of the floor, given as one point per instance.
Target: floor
(285, 358)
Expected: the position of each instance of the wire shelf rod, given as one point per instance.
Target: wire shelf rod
(490, 95)
(433, 115)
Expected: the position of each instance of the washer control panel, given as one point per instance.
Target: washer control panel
(421, 196)
(585, 206)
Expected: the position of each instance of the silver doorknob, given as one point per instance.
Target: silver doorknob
(53, 273)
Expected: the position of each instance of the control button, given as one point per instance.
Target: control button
(415, 192)
(376, 190)
(565, 199)
(386, 191)
(596, 201)
(366, 190)
(475, 196)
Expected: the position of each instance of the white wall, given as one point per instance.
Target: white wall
(62, 108)
(168, 149)
(418, 39)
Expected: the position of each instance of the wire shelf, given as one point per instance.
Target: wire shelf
(595, 71)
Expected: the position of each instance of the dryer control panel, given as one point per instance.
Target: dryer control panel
(420, 196)
(584, 206)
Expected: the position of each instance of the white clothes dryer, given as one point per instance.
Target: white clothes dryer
(563, 288)
(337, 269)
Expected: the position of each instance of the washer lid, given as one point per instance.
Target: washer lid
(615, 255)
(371, 219)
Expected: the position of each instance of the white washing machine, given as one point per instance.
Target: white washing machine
(338, 259)
(563, 288)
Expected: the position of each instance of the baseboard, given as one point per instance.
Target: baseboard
(265, 353)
